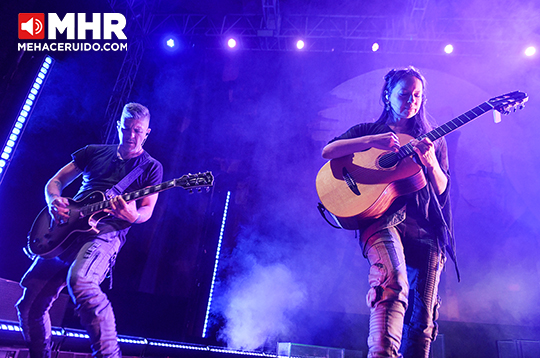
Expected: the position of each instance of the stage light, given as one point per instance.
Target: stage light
(14, 136)
(449, 49)
(171, 43)
(375, 47)
(530, 51)
(300, 44)
(231, 43)
(216, 264)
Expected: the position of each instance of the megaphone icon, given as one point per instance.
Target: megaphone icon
(29, 26)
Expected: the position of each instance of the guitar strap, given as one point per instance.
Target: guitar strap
(118, 189)
(122, 185)
(322, 211)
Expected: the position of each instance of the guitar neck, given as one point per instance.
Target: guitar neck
(448, 127)
(138, 194)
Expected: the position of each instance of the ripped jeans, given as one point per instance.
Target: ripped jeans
(82, 272)
(404, 279)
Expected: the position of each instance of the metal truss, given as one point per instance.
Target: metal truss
(412, 34)
(138, 15)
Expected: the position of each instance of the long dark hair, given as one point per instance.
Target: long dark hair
(420, 123)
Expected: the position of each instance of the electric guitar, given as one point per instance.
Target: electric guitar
(363, 185)
(48, 238)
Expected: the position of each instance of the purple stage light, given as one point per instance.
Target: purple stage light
(232, 43)
(530, 51)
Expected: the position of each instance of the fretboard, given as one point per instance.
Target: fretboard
(138, 194)
(446, 128)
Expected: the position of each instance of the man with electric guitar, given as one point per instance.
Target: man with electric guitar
(79, 253)
(390, 180)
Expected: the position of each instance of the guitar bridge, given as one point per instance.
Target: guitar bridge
(351, 183)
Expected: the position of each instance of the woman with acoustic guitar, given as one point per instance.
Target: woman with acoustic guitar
(407, 245)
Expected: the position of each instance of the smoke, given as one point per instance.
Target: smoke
(258, 305)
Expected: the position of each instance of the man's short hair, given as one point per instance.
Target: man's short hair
(136, 111)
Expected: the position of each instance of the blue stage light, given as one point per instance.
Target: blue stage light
(26, 109)
(216, 264)
(172, 43)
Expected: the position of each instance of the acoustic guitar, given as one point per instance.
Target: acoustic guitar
(48, 238)
(363, 185)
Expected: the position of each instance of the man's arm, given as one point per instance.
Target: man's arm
(53, 191)
(130, 212)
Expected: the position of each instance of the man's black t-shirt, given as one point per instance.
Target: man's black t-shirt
(102, 169)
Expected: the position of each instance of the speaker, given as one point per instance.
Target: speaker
(507, 349)
(437, 347)
(10, 292)
(529, 349)
(28, 26)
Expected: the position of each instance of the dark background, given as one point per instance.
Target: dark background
(258, 120)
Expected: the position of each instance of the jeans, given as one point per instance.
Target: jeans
(404, 278)
(82, 271)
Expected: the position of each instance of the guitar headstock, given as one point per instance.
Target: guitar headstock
(195, 181)
(508, 102)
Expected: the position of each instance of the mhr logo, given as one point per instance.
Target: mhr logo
(32, 26)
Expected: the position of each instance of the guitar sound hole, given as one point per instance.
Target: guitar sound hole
(388, 160)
